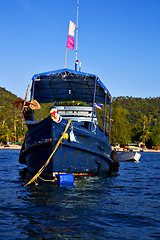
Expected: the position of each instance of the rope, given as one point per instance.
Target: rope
(47, 180)
(44, 166)
(94, 127)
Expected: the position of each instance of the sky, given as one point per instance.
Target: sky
(118, 40)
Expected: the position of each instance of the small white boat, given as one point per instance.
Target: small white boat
(129, 156)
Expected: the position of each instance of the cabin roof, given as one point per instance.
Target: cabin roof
(68, 85)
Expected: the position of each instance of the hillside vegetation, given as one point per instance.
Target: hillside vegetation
(12, 127)
(133, 119)
(136, 119)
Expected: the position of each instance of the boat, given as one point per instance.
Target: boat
(126, 156)
(68, 139)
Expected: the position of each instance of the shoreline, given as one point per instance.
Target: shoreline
(151, 150)
(11, 147)
(145, 150)
(120, 150)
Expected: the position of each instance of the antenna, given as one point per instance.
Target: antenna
(76, 63)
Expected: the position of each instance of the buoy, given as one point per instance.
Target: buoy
(67, 178)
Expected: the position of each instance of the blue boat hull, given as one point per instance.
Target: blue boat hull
(88, 154)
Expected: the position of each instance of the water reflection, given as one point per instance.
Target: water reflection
(61, 212)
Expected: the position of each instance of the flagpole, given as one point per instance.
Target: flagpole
(77, 36)
(66, 57)
(77, 29)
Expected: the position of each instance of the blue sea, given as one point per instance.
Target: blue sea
(124, 206)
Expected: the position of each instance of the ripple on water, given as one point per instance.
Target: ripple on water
(126, 206)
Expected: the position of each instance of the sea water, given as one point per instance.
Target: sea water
(124, 206)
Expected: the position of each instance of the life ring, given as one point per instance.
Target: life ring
(55, 116)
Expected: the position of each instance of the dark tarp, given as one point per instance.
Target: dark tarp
(68, 85)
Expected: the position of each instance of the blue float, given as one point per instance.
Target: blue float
(65, 178)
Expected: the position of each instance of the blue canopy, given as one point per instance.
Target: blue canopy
(68, 85)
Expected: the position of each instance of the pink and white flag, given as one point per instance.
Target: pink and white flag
(70, 42)
(72, 27)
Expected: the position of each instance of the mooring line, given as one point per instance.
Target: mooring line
(44, 166)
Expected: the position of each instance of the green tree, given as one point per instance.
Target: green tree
(145, 136)
(155, 135)
(144, 120)
(6, 134)
(120, 132)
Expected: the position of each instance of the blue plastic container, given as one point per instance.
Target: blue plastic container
(65, 178)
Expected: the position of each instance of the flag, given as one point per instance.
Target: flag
(72, 27)
(99, 106)
(70, 42)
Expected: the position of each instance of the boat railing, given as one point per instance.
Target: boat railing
(74, 113)
(77, 113)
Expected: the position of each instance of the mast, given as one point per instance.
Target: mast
(76, 63)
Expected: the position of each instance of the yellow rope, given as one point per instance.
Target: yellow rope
(44, 166)
(48, 180)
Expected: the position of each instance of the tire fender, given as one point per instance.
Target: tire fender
(114, 157)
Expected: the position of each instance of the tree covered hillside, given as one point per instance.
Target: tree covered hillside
(11, 122)
(133, 119)
(139, 106)
(142, 119)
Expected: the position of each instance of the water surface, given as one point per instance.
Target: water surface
(125, 206)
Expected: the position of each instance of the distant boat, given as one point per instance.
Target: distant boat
(83, 146)
(129, 156)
